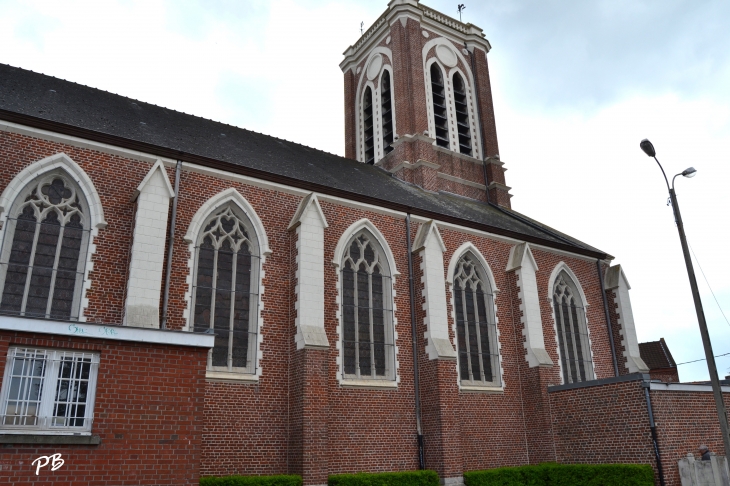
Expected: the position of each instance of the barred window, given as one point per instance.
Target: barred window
(226, 288)
(43, 255)
(575, 351)
(476, 327)
(48, 390)
(367, 320)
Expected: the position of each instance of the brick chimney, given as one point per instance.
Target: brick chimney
(418, 102)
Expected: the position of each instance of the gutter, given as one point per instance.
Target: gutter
(183, 156)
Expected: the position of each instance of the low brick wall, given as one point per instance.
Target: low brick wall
(148, 415)
(607, 421)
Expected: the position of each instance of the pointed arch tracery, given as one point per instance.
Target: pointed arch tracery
(228, 247)
(568, 302)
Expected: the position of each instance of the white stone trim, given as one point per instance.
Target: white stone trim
(158, 165)
(340, 248)
(684, 387)
(616, 280)
(560, 267)
(448, 74)
(310, 223)
(39, 167)
(469, 247)
(230, 195)
(72, 170)
(101, 331)
(362, 83)
(525, 267)
(431, 248)
(142, 302)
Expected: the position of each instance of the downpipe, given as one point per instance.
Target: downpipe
(652, 426)
(168, 269)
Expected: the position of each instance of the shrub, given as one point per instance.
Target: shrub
(564, 475)
(251, 481)
(407, 478)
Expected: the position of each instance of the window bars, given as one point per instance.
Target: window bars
(369, 138)
(225, 292)
(387, 112)
(440, 120)
(43, 253)
(476, 327)
(367, 316)
(48, 390)
(462, 115)
(575, 351)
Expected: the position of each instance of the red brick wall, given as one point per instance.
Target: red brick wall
(602, 424)
(684, 421)
(148, 413)
(667, 375)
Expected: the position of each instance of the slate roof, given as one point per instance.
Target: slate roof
(656, 355)
(46, 102)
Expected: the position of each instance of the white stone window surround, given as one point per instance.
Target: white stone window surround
(375, 85)
(48, 397)
(60, 162)
(563, 267)
(142, 302)
(523, 263)
(469, 247)
(342, 247)
(228, 197)
(616, 280)
(309, 223)
(449, 89)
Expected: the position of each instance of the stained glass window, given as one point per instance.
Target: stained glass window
(226, 290)
(476, 328)
(44, 250)
(575, 351)
(367, 337)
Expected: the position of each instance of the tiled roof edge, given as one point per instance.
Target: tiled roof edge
(116, 140)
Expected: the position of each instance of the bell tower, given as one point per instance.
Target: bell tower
(418, 103)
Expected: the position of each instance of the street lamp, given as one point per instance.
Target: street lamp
(648, 149)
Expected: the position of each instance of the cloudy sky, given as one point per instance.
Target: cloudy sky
(577, 84)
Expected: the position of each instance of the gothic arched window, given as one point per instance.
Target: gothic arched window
(43, 256)
(367, 313)
(476, 327)
(440, 117)
(462, 115)
(575, 350)
(386, 112)
(225, 292)
(368, 125)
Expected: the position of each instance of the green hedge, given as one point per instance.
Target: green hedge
(252, 481)
(564, 475)
(408, 478)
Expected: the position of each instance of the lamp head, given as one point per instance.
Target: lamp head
(689, 172)
(647, 147)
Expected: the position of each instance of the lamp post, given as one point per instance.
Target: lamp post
(648, 149)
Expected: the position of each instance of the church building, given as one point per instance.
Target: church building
(183, 298)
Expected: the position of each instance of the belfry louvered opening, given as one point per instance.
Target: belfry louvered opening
(462, 115)
(386, 103)
(476, 325)
(43, 253)
(440, 117)
(368, 136)
(368, 349)
(575, 351)
(226, 290)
